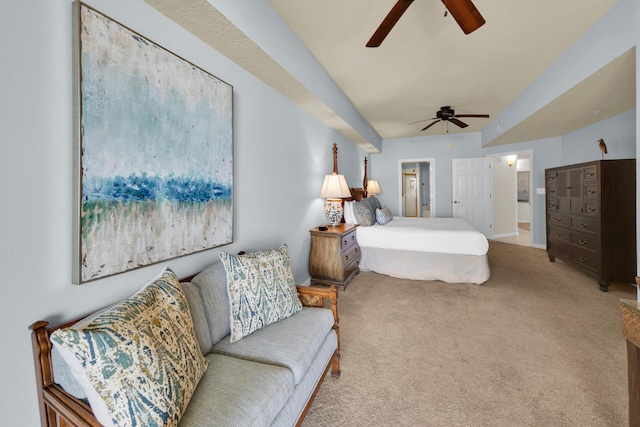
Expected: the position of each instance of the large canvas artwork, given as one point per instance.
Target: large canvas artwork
(155, 152)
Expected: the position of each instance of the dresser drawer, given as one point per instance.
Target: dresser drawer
(584, 240)
(558, 219)
(590, 208)
(590, 173)
(350, 254)
(586, 258)
(558, 248)
(584, 224)
(348, 240)
(590, 190)
(558, 233)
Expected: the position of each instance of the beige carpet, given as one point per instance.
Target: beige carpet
(537, 345)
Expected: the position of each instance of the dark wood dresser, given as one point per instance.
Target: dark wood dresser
(591, 218)
(334, 255)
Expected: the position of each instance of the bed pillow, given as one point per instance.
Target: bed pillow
(261, 289)
(384, 215)
(364, 213)
(139, 362)
(349, 217)
(375, 202)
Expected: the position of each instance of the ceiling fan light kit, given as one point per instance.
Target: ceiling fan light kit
(463, 11)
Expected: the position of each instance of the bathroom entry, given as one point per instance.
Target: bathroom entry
(417, 192)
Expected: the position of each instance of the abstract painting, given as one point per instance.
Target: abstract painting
(155, 152)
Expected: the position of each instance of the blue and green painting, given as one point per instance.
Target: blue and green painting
(156, 152)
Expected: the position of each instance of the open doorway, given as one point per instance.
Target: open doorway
(512, 197)
(417, 187)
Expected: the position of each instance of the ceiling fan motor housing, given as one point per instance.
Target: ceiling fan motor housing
(445, 113)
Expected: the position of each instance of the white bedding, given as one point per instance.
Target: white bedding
(440, 235)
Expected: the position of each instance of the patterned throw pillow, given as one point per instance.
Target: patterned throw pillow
(261, 288)
(139, 362)
(364, 213)
(383, 215)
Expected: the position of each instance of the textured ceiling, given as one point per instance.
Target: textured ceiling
(427, 62)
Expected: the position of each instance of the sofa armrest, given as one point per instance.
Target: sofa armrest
(316, 297)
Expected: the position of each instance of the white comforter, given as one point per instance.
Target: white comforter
(441, 235)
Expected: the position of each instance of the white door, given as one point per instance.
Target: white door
(471, 187)
(410, 188)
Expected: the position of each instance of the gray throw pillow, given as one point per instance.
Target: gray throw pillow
(364, 213)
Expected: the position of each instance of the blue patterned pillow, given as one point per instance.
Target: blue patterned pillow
(364, 213)
(261, 288)
(138, 362)
(383, 215)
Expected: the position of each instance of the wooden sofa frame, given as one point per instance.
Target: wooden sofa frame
(60, 409)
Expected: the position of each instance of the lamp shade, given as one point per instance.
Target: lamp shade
(334, 187)
(373, 187)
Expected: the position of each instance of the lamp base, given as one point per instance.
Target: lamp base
(333, 211)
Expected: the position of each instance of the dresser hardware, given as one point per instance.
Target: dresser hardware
(582, 242)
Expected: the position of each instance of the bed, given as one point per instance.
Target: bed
(446, 249)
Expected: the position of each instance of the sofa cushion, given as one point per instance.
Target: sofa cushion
(304, 389)
(261, 290)
(138, 362)
(292, 342)
(237, 392)
(212, 283)
(198, 315)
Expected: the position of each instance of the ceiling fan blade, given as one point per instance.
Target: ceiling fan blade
(413, 123)
(458, 122)
(431, 124)
(387, 24)
(480, 116)
(465, 14)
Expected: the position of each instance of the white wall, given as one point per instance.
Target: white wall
(275, 143)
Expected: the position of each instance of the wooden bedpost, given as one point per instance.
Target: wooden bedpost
(365, 181)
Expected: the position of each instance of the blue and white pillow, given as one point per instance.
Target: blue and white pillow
(138, 362)
(261, 289)
(384, 215)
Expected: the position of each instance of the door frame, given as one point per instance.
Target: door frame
(432, 183)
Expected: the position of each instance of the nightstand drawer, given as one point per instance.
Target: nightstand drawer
(348, 240)
(350, 254)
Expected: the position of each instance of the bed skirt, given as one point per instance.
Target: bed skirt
(415, 265)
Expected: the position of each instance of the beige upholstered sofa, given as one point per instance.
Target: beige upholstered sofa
(268, 377)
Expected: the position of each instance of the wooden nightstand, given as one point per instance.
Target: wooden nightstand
(334, 255)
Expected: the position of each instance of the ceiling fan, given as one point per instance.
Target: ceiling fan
(463, 11)
(447, 114)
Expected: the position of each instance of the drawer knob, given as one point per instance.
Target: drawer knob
(583, 259)
(591, 210)
(557, 234)
(583, 225)
(582, 242)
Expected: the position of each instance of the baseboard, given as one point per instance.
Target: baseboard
(500, 236)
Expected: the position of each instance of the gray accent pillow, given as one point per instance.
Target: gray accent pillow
(198, 315)
(364, 213)
(212, 283)
(375, 202)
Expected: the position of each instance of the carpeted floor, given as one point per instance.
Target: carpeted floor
(537, 345)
